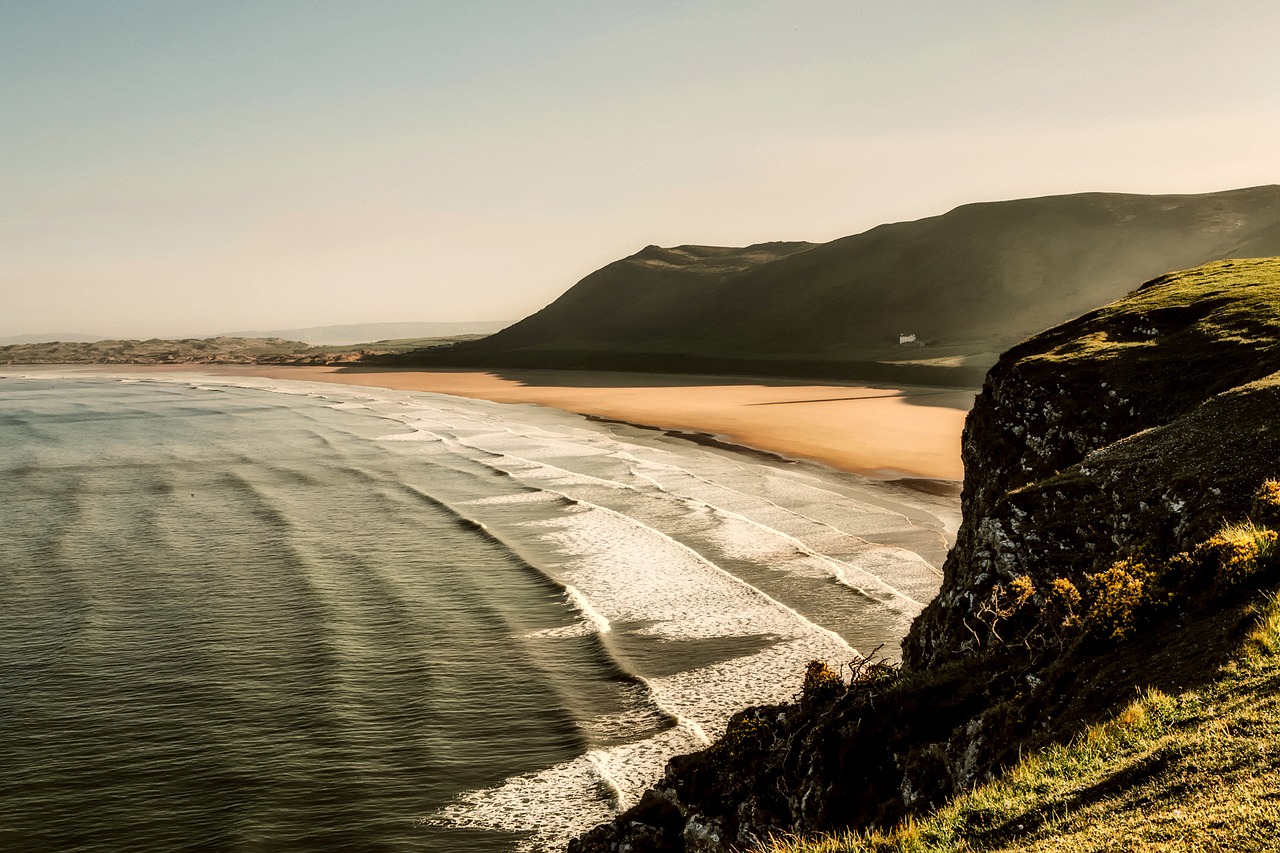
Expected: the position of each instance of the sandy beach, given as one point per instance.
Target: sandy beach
(875, 431)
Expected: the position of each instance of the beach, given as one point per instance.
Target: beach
(867, 429)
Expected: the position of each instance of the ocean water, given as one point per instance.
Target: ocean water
(247, 615)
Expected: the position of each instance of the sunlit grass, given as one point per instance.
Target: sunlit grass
(1198, 771)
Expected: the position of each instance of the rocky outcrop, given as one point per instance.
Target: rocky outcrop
(1133, 430)
(1107, 434)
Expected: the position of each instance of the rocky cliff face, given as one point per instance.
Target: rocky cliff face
(1105, 435)
(1133, 430)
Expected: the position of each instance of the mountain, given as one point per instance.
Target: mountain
(359, 333)
(967, 284)
(1102, 661)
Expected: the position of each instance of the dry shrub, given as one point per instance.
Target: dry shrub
(870, 673)
(1002, 603)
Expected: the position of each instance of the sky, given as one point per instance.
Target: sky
(191, 168)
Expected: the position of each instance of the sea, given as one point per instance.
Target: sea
(240, 614)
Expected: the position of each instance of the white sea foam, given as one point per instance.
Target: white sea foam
(633, 573)
(621, 569)
(560, 802)
(598, 620)
(416, 435)
(517, 498)
(920, 577)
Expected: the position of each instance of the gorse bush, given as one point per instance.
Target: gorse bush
(1019, 593)
(1134, 589)
(1119, 594)
(745, 738)
(1266, 503)
(820, 681)
(1062, 608)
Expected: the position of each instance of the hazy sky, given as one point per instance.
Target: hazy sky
(172, 168)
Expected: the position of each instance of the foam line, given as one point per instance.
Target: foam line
(751, 590)
(579, 601)
(912, 604)
(837, 565)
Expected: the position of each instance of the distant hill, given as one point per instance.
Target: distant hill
(967, 284)
(360, 333)
(49, 337)
(222, 350)
(219, 350)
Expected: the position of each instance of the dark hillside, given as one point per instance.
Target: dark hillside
(638, 300)
(968, 284)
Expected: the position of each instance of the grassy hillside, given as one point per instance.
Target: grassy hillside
(1195, 771)
(968, 284)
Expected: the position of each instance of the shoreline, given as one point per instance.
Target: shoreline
(864, 428)
(871, 429)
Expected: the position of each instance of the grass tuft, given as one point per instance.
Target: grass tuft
(1241, 551)
(1263, 642)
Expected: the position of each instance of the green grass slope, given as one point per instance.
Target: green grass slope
(1194, 771)
(1134, 508)
(968, 283)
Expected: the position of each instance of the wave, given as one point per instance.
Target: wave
(839, 569)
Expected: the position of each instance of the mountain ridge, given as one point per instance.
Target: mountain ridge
(965, 283)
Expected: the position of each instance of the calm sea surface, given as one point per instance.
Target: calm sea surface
(266, 616)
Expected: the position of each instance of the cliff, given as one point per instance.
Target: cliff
(967, 284)
(1112, 466)
(1110, 433)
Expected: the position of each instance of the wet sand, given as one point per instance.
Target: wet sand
(877, 431)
